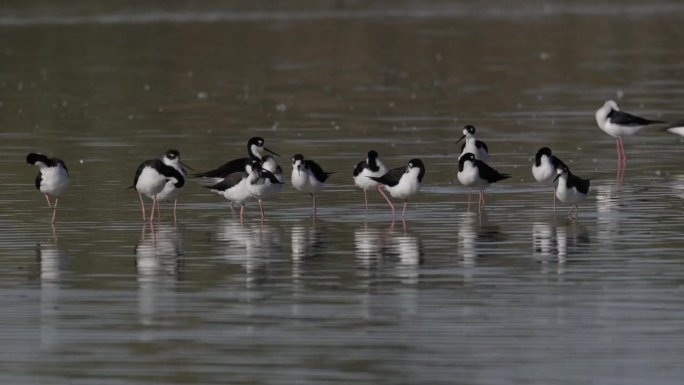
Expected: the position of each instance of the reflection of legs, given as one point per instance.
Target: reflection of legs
(54, 210)
(47, 198)
(387, 199)
(142, 206)
(313, 202)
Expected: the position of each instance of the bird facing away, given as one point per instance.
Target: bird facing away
(472, 145)
(261, 184)
(401, 183)
(52, 178)
(617, 124)
(545, 168)
(571, 189)
(171, 192)
(255, 150)
(475, 173)
(372, 166)
(151, 178)
(234, 187)
(308, 177)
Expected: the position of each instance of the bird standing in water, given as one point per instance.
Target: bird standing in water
(372, 166)
(52, 178)
(308, 177)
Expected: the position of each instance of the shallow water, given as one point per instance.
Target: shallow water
(515, 294)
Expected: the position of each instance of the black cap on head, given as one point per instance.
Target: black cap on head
(297, 157)
(172, 154)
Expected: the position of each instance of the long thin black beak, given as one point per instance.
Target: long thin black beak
(463, 137)
(186, 166)
(557, 176)
(267, 150)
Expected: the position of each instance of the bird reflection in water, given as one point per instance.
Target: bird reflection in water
(53, 267)
(474, 233)
(558, 242)
(159, 262)
(250, 246)
(376, 249)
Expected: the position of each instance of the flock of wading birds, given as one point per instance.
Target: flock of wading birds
(258, 176)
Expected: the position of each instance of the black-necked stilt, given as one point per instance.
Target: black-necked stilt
(234, 187)
(261, 184)
(150, 180)
(52, 178)
(472, 145)
(171, 192)
(372, 166)
(475, 173)
(308, 177)
(401, 182)
(571, 189)
(676, 127)
(255, 150)
(545, 168)
(618, 124)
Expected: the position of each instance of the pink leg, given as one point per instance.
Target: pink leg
(387, 199)
(403, 213)
(619, 150)
(158, 211)
(47, 198)
(261, 210)
(154, 203)
(554, 199)
(242, 210)
(365, 198)
(624, 153)
(54, 210)
(142, 206)
(175, 203)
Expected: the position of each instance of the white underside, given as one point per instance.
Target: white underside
(470, 176)
(263, 188)
(305, 181)
(238, 193)
(54, 180)
(615, 130)
(408, 185)
(363, 181)
(677, 130)
(545, 173)
(150, 182)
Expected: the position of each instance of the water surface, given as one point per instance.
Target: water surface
(514, 294)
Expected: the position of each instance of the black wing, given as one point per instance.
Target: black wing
(235, 165)
(359, 168)
(39, 178)
(391, 178)
(170, 172)
(271, 177)
(679, 123)
(488, 173)
(625, 119)
(317, 170)
(481, 144)
(228, 182)
(582, 185)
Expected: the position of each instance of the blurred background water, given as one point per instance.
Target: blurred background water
(517, 294)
